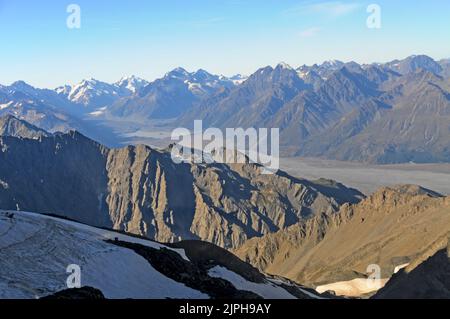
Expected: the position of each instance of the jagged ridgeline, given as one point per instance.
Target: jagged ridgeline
(395, 112)
(140, 190)
(394, 227)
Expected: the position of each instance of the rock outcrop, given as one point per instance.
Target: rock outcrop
(390, 228)
(12, 126)
(427, 277)
(140, 190)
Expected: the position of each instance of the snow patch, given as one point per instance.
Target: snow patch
(353, 288)
(266, 290)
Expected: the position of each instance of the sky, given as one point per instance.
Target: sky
(148, 38)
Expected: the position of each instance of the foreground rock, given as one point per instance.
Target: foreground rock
(76, 294)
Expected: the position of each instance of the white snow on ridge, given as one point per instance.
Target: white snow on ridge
(400, 267)
(35, 251)
(106, 234)
(284, 65)
(4, 106)
(266, 290)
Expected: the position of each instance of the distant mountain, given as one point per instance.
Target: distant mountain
(42, 108)
(12, 126)
(414, 63)
(380, 113)
(445, 64)
(323, 70)
(394, 112)
(142, 191)
(171, 95)
(37, 249)
(93, 93)
(131, 83)
(252, 103)
(390, 228)
(311, 78)
(52, 111)
(21, 90)
(238, 79)
(280, 98)
(409, 122)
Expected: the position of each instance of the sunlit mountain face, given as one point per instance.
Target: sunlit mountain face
(217, 156)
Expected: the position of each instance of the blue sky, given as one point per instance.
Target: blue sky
(148, 38)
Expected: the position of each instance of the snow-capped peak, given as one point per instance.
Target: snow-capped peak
(285, 66)
(131, 83)
(332, 64)
(22, 87)
(178, 73)
(238, 79)
(63, 90)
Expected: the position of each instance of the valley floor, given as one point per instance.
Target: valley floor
(368, 178)
(364, 177)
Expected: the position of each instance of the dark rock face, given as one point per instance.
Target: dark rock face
(12, 126)
(193, 275)
(63, 175)
(207, 255)
(77, 294)
(429, 280)
(142, 191)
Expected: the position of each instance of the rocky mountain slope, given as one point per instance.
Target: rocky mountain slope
(378, 113)
(36, 251)
(390, 228)
(407, 123)
(395, 112)
(92, 94)
(428, 277)
(142, 191)
(49, 111)
(42, 108)
(12, 126)
(171, 95)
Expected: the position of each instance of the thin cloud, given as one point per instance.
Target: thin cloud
(310, 32)
(330, 8)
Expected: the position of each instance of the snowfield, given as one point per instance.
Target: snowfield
(267, 290)
(35, 251)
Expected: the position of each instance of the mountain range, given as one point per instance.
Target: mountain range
(297, 233)
(395, 112)
(379, 113)
(142, 191)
